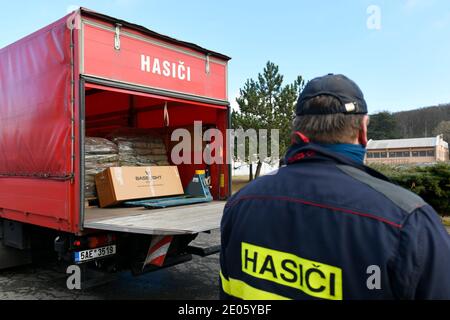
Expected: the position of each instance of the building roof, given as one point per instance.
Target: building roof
(406, 143)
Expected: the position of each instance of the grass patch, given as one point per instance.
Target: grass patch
(446, 221)
(238, 182)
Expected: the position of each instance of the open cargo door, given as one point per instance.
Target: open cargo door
(134, 78)
(108, 109)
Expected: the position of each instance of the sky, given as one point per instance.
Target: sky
(398, 51)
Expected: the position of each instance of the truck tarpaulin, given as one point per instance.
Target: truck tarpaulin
(35, 105)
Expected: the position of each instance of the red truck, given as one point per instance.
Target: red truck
(83, 74)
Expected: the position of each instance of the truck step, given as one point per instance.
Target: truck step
(204, 251)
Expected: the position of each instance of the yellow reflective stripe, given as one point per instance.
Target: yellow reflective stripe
(241, 290)
(314, 278)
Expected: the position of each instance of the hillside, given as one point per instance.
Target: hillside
(421, 122)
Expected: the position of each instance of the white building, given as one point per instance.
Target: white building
(400, 151)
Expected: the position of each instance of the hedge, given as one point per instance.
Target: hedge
(431, 182)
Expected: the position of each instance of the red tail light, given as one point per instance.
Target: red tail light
(100, 240)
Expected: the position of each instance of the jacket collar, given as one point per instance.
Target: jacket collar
(304, 151)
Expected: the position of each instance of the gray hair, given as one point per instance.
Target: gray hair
(328, 128)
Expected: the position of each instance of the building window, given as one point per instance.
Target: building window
(383, 154)
(396, 154)
(403, 154)
(422, 153)
(430, 153)
(369, 155)
(376, 155)
(415, 153)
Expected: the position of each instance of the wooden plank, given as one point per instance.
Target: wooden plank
(176, 220)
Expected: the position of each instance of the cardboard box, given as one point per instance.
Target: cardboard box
(127, 183)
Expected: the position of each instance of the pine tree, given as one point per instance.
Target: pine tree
(383, 125)
(267, 104)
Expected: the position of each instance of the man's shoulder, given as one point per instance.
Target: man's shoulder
(402, 198)
(340, 186)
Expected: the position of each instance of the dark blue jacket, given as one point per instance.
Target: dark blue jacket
(324, 227)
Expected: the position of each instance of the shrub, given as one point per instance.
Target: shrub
(431, 182)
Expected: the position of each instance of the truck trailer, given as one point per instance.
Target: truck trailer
(88, 74)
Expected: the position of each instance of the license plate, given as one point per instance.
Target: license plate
(87, 255)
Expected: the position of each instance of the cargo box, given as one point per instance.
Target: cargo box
(127, 183)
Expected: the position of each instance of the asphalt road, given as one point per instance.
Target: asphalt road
(196, 279)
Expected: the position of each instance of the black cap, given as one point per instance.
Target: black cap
(339, 86)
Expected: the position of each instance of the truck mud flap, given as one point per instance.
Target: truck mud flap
(11, 257)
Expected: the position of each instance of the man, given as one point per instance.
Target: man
(327, 227)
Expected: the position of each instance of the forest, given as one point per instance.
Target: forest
(418, 123)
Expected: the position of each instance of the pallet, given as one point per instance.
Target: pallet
(91, 202)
